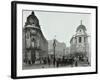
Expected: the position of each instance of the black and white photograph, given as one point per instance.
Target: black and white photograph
(53, 39)
(56, 39)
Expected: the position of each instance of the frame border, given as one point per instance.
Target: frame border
(14, 38)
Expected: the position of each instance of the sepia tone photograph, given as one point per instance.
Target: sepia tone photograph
(52, 39)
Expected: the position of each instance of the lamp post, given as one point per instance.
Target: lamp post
(54, 45)
(64, 52)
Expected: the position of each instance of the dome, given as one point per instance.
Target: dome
(81, 26)
(32, 19)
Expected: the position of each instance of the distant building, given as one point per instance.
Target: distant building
(35, 46)
(60, 49)
(79, 43)
(67, 51)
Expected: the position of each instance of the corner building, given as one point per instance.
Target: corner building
(35, 45)
(79, 43)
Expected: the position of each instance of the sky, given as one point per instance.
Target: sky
(61, 24)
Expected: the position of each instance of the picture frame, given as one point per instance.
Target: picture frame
(32, 16)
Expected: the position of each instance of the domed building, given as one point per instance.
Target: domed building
(79, 45)
(32, 20)
(35, 45)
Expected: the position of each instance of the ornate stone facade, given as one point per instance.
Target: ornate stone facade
(35, 46)
(79, 44)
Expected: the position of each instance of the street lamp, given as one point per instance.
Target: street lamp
(54, 45)
(64, 52)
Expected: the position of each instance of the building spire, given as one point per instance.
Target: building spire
(32, 13)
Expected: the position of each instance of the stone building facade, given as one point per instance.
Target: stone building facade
(79, 43)
(35, 45)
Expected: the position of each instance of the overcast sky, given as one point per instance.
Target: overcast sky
(63, 25)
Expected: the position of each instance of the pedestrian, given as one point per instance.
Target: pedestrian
(49, 61)
(76, 64)
(57, 62)
(54, 61)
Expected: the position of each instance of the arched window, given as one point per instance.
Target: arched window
(27, 34)
(84, 39)
(33, 43)
(80, 39)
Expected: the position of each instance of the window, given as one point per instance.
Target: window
(27, 34)
(80, 39)
(84, 39)
(33, 43)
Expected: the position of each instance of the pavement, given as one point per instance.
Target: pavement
(40, 66)
(37, 66)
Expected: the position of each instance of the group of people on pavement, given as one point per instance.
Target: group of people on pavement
(57, 62)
